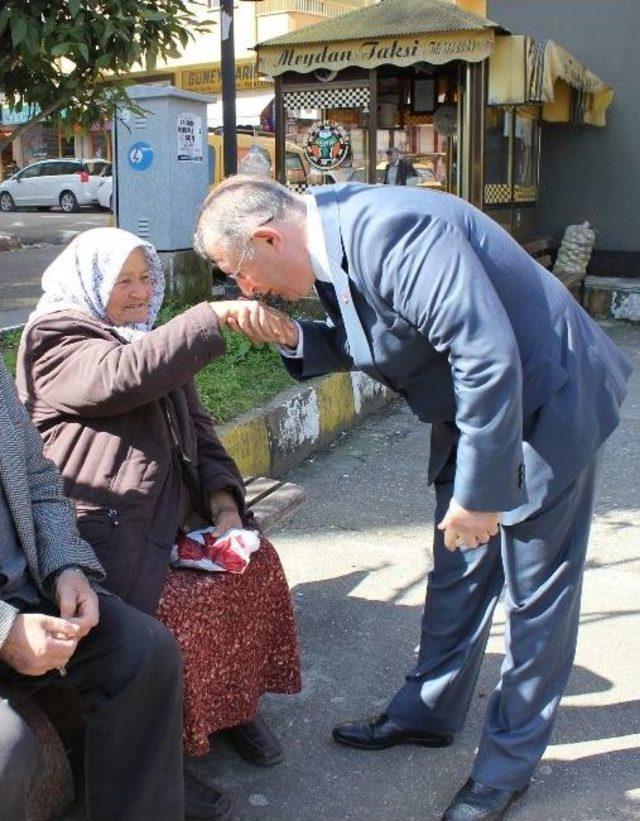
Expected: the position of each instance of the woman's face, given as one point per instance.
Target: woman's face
(131, 296)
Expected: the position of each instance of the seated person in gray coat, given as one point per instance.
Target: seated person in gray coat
(431, 297)
(55, 629)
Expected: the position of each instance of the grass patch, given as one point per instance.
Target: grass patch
(9, 349)
(241, 380)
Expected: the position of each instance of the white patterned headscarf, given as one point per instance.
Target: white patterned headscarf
(82, 278)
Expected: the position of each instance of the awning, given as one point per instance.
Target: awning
(524, 71)
(397, 32)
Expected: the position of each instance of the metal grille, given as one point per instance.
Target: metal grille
(328, 98)
(143, 228)
(496, 193)
(297, 187)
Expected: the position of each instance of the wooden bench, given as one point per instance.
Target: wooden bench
(271, 500)
(55, 714)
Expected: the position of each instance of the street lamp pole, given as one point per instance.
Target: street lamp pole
(228, 74)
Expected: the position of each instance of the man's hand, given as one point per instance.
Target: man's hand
(224, 511)
(37, 643)
(467, 528)
(256, 321)
(77, 602)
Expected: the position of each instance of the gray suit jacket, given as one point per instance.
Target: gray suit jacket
(437, 301)
(45, 520)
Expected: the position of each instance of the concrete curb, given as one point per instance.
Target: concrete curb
(9, 243)
(612, 298)
(297, 422)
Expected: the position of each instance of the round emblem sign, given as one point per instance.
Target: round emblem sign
(326, 145)
(140, 156)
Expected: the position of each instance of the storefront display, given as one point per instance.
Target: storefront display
(461, 99)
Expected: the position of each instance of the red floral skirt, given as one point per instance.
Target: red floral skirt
(238, 639)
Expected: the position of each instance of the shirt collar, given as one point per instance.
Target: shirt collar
(315, 241)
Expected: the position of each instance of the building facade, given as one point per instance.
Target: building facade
(598, 178)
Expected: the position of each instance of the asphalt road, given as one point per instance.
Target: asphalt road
(43, 235)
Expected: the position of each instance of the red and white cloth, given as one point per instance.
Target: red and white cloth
(201, 550)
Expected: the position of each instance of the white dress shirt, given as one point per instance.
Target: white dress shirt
(319, 263)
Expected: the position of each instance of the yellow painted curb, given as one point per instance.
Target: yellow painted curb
(335, 403)
(248, 445)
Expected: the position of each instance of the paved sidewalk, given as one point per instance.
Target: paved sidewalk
(356, 557)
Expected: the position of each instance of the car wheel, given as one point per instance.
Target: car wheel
(68, 202)
(6, 202)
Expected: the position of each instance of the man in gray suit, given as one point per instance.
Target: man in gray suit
(55, 629)
(429, 296)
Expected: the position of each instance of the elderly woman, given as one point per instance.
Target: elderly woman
(115, 402)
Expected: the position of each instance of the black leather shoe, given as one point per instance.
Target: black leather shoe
(477, 802)
(382, 732)
(203, 801)
(256, 743)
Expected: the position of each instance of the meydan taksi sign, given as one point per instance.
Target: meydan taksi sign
(471, 46)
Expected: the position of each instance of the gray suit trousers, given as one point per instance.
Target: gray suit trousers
(541, 560)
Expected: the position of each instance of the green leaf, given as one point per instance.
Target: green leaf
(60, 49)
(4, 19)
(74, 7)
(18, 29)
(151, 59)
(148, 14)
(82, 48)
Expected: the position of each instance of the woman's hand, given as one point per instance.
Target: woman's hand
(258, 322)
(224, 511)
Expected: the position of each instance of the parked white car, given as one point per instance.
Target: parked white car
(68, 183)
(105, 194)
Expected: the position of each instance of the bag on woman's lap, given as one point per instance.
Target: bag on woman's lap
(201, 550)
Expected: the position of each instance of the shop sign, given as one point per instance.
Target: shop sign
(326, 145)
(207, 79)
(189, 137)
(9, 116)
(471, 46)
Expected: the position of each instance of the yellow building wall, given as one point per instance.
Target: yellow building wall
(250, 26)
(273, 25)
(474, 6)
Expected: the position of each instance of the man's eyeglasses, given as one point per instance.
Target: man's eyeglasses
(236, 275)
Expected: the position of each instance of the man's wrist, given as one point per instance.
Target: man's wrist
(294, 335)
(75, 568)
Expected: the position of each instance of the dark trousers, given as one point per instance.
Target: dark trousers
(541, 560)
(128, 673)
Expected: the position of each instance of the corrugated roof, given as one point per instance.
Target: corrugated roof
(387, 18)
